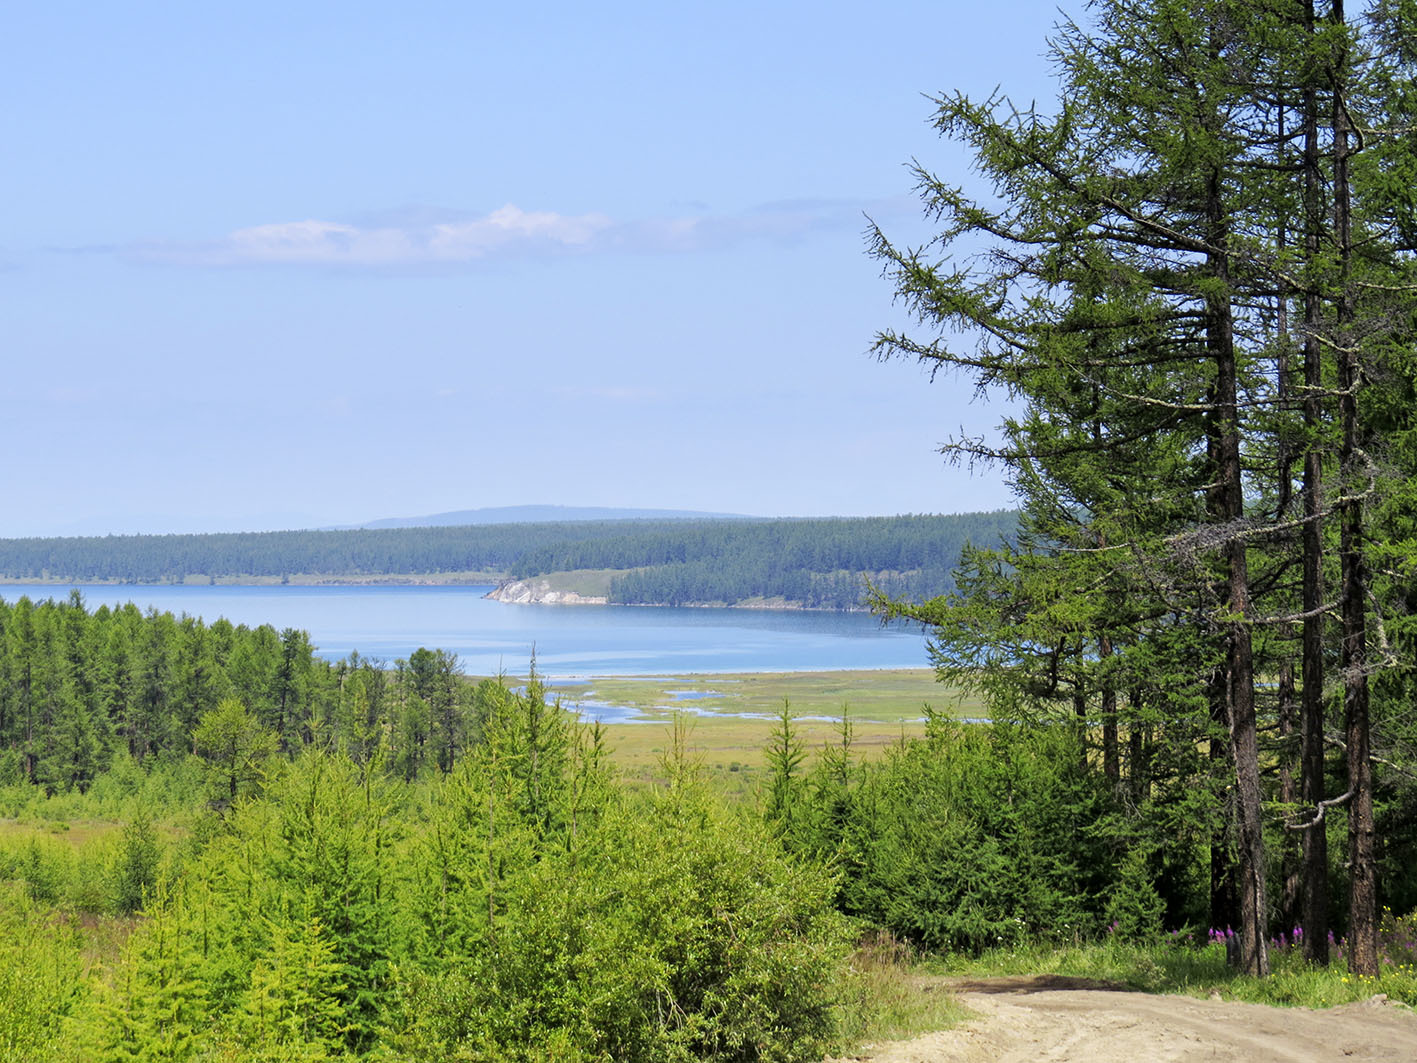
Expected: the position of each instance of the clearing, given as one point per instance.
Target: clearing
(1023, 1019)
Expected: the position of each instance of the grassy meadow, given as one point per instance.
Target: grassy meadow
(729, 716)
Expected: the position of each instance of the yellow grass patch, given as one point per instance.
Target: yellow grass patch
(731, 716)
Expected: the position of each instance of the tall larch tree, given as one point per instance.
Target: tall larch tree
(1133, 285)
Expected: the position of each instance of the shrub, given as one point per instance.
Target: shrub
(675, 931)
(39, 979)
(975, 837)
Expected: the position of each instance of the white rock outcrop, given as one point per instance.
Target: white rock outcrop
(540, 592)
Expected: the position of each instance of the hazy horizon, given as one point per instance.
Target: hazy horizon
(176, 527)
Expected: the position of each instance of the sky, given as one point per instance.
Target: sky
(275, 265)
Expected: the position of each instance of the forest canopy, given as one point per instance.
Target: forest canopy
(821, 563)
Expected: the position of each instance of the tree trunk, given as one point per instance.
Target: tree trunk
(1311, 705)
(1291, 864)
(1362, 857)
(1111, 756)
(1080, 721)
(1244, 744)
(1224, 904)
(1138, 749)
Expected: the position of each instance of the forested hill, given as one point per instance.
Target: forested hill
(818, 563)
(540, 515)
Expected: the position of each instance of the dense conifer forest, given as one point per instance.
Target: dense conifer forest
(79, 688)
(817, 563)
(278, 857)
(339, 861)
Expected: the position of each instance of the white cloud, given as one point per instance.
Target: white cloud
(294, 241)
(511, 226)
(507, 230)
(424, 237)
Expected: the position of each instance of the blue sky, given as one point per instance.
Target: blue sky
(284, 265)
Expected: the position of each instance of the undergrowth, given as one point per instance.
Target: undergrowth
(1193, 965)
(885, 996)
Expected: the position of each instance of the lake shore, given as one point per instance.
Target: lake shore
(592, 587)
(390, 621)
(556, 589)
(296, 579)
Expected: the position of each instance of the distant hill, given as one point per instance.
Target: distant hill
(538, 515)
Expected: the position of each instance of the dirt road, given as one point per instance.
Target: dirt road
(1070, 1020)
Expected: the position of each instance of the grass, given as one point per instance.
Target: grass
(883, 997)
(730, 716)
(1199, 971)
(884, 695)
(76, 834)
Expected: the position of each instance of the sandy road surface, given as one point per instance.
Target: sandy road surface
(1070, 1020)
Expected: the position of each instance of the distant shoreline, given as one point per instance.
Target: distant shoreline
(819, 565)
(545, 591)
(399, 579)
(515, 592)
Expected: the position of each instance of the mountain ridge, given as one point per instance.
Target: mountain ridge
(535, 514)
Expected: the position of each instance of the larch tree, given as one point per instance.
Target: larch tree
(1153, 252)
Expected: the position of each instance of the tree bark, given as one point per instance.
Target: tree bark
(1362, 857)
(1224, 904)
(1314, 841)
(1291, 864)
(1244, 744)
(1080, 721)
(1138, 749)
(1111, 756)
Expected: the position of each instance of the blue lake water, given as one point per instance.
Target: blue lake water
(570, 641)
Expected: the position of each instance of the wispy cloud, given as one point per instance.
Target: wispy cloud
(422, 237)
(312, 242)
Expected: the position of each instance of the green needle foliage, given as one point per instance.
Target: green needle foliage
(561, 918)
(525, 906)
(40, 980)
(675, 931)
(293, 1010)
(784, 756)
(135, 872)
(157, 1008)
(1190, 276)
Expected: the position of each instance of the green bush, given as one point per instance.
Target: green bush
(1134, 909)
(975, 837)
(678, 931)
(40, 980)
(525, 908)
(156, 1008)
(135, 865)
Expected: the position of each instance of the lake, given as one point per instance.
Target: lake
(569, 641)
